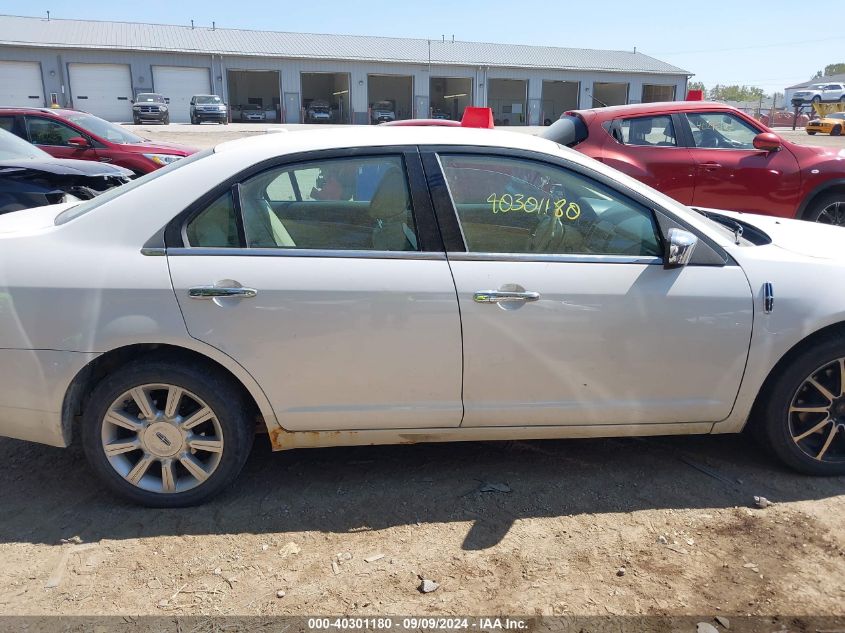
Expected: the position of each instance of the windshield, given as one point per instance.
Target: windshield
(15, 148)
(384, 105)
(836, 115)
(148, 97)
(89, 205)
(98, 127)
(204, 99)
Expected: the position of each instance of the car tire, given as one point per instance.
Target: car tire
(194, 121)
(811, 133)
(827, 209)
(836, 131)
(136, 121)
(166, 120)
(788, 433)
(173, 466)
(816, 99)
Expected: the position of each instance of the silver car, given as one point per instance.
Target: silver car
(402, 285)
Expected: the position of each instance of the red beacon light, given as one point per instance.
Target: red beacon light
(477, 117)
(695, 95)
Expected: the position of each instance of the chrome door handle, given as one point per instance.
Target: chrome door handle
(212, 292)
(501, 296)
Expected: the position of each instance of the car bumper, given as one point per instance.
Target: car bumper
(150, 116)
(210, 116)
(32, 393)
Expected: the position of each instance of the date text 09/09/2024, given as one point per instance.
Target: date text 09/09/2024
(386, 623)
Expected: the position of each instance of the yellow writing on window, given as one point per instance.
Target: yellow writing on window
(507, 203)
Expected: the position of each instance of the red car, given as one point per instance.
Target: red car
(711, 155)
(75, 134)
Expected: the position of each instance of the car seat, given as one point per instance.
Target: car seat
(390, 208)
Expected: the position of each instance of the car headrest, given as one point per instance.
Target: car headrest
(391, 197)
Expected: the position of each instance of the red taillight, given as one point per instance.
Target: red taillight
(477, 117)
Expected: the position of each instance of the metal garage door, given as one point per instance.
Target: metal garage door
(20, 84)
(179, 85)
(104, 90)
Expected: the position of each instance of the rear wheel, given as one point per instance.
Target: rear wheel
(828, 209)
(166, 435)
(804, 410)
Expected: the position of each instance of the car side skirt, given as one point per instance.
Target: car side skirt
(281, 439)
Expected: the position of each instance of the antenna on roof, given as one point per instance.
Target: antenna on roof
(192, 24)
(443, 37)
(635, 50)
(453, 38)
(48, 16)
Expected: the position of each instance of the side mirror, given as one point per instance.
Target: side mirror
(767, 142)
(679, 247)
(79, 142)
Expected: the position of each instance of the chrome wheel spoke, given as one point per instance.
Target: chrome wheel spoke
(821, 389)
(174, 398)
(827, 441)
(194, 468)
(121, 447)
(203, 415)
(124, 420)
(137, 473)
(809, 409)
(207, 444)
(144, 402)
(168, 478)
(818, 427)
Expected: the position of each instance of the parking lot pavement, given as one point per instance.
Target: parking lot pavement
(208, 135)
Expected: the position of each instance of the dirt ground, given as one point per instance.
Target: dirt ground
(529, 528)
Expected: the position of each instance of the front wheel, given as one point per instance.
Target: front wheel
(166, 120)
(804, 410)
(164, 435)
(811, 133)
(836, 131)
(827, 209)
(817, 99)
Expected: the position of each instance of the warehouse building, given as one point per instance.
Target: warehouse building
(100, 66)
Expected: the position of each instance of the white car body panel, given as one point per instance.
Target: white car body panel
(603, 343)
(336, 342)
(84, 288)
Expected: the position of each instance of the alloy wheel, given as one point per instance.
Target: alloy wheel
(162, 438)
(834, 213)
(817, 414)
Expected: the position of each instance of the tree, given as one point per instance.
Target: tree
(736, 93)
(834, 69)
(696, 85)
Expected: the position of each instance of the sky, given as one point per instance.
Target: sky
(769, 44)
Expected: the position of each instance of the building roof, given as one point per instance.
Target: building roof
(818, 80)
(88, 34)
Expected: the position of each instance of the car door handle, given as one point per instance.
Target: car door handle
(710, 166)
(213, 292)
(501, 296)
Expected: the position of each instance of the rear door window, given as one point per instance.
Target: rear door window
(650, 131)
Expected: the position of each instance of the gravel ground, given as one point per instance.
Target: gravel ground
(354, 530)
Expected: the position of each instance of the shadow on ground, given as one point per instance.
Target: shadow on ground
(48, 494)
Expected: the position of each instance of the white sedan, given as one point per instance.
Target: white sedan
(401, 285)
